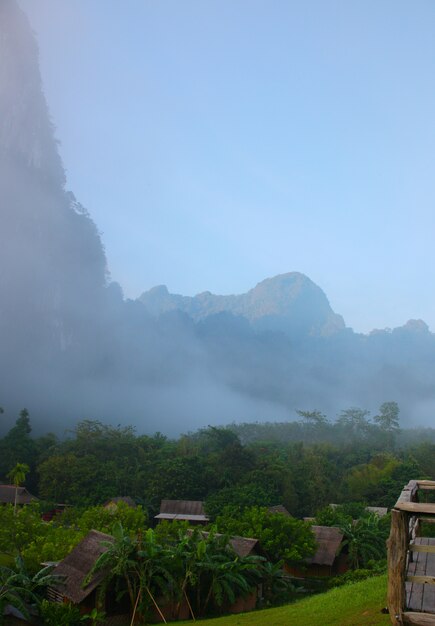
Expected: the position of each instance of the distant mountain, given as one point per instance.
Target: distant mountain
(290, 303)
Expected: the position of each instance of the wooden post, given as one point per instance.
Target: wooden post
(397, 544)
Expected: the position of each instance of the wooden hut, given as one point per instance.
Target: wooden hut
(380, 511)
(74, 570)
(242, 546)
(191, 511)
(327, 560)
(7, 495)
(279, 508)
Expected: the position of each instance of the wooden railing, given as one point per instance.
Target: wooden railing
(406, 518)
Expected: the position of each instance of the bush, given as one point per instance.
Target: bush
(374, 568)
(56, 614)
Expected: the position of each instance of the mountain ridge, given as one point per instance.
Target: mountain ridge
(289, 302)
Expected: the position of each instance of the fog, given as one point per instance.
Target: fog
(72, 347)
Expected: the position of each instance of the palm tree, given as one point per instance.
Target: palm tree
(119, 560)
(141, 563)
(226, 575)
(153, 567)
(275, 581)
(184, 568)
(17, 475)
(365, 540)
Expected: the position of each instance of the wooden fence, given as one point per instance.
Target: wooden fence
(411, 579)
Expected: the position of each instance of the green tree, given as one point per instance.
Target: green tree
(365, 540)
(119, 559)
(388, 422)
(18, 531)
(239, 498)
(353, 423)
(314, 419)
(132, 519)
(281, 537)
(18, 475)
(50, 543)
(184, 566)
(341, 514)
(275, 581)
(17, 446)
(226, 574)
(141, 563)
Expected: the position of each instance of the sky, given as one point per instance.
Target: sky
(216, 143)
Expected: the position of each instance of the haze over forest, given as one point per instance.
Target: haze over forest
(72, 347)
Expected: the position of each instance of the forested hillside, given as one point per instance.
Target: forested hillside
(304, 466)
(257, 481)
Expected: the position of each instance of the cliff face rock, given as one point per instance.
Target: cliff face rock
(291, 303)
(52, 263)
(26, 132)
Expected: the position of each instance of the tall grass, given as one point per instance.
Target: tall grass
(356, 604)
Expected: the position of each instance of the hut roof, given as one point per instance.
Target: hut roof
(328, 540)
(77, 565)
(279, 508)
(378, 510)
(242, 546)
(192, 510)
(7, 495)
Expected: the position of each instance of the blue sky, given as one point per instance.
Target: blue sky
(219, 142)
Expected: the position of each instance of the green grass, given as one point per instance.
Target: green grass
(357, 604)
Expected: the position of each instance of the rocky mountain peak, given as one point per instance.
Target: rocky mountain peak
(290, 302)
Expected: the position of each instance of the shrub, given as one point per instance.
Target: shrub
(56, 614)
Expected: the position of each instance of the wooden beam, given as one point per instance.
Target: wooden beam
(397, 550)
(422, 548)
(422, 580)
(409, 492)
(419, 619)
(427, 508)
(426, 482)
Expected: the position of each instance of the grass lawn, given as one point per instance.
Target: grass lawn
(358, 604)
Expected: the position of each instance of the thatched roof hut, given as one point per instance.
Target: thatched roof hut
(327, 560)
(328, 540)
(75, 568)
(279, 508)
(242, 546)
(186, 510)
(377, 510)
(7, 495)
